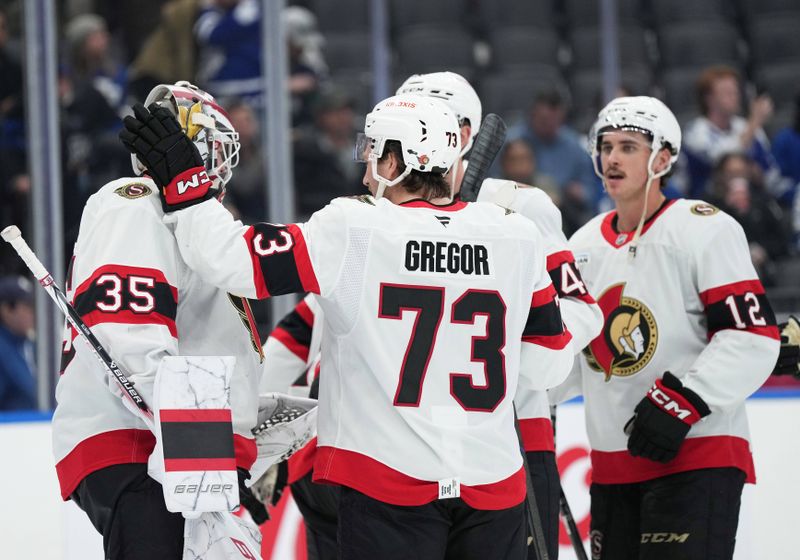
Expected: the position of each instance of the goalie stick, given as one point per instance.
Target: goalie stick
(489, 140)
(13, 236)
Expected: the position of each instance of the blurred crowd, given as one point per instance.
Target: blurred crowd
(113, 53)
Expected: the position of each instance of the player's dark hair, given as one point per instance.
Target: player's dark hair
(426, 185)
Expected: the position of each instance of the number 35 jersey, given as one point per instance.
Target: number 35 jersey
(133, 290)
(689, 303)
(429, 311)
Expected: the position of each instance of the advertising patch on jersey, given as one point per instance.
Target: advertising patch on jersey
(704, 209)
(629, 337)
(581, 258)
(431, 257)
(133, 190)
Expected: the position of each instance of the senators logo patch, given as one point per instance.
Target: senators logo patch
(133, 190)
(704, 209)
(629, 337)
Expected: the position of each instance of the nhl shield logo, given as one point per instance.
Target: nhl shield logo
(629, 337)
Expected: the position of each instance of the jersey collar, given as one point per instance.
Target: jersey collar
(453, 206)
(619, 239)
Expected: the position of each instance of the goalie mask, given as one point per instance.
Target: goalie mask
(642, 114)
(205, 123)
(426, 128)
(457, 94)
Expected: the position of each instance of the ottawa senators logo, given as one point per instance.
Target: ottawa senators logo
(133, 190)
(629, 337)
(704, 209)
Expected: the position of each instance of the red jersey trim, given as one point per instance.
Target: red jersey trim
(258, 275)
(124, 272)
(537, 434)
(378, 481)
(125, 446)
(195, 415)
(305, 313)
(543, 296)
(126, 317)
(303, 261)
(713, 295)
(297, 348)
(553, 342)
(301, 463)
(620, 467)
(454, 206)
(554, 260)
(186, 465)
(619, 239)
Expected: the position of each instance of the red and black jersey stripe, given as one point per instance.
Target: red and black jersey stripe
(281, 264)
(294, 330)
(739, 306)
(544, 326)
(127, 294)
(566, 277)
(197, 439)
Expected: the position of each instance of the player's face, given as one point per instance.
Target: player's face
(623, 157)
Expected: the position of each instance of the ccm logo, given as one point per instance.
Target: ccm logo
(664, 401)
(664, 537)
(196, 180)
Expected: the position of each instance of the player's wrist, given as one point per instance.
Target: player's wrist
(670, 395)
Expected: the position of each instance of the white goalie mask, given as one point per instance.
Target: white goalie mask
(205, 123)
(426, 129)
(455, 91)
(642, 114)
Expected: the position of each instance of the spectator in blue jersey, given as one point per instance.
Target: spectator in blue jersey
(720, 129)
(17, 369)
(786, 149)
(229, 35)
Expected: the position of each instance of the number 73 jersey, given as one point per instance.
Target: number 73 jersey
(429, 313)
(689, 303)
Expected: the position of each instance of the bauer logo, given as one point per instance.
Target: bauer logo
(203, 489)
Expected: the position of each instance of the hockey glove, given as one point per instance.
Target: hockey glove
(789, 356)
(256, 509)
(663, 418)
(171, 158)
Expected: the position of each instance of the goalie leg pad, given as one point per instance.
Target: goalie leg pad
(194, 457)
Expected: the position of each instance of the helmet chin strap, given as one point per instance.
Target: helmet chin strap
(651, 176)
(383, 182)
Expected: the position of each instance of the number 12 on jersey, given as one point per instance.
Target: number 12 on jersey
(428, 304)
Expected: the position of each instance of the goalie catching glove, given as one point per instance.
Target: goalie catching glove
(171, 158)
(789, 356)
(662, 419)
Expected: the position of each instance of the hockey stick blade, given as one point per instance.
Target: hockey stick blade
(488, 142)
(12, 235)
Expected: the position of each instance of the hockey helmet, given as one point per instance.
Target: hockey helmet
(642, 114)
(426, 128)
(206, 123)
(455, 91)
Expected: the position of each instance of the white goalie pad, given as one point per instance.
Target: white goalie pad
(285, 424)
(194, 457)
(221, 536)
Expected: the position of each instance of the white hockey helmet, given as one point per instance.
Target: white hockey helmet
(426, 128)
(454, 90)
(642, 114)
(205, 122)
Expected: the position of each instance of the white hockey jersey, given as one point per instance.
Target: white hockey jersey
(132, 289)
(429, 311)
(689, 303)
(580, 312)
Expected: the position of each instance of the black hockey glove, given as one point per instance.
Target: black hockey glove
(663, 418)
(789, 358)
(171, 158)
(256, 509)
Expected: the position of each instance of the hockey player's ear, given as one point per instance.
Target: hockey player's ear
(466, 132)
(662, 160)
(389, 166)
